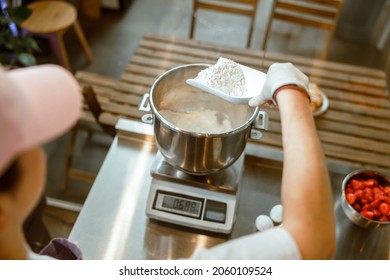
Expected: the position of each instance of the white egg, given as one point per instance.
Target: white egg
(277, 213)
(263, 222)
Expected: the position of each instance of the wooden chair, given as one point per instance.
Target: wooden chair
(239, 7)
(321, 14)
(94, 87)
(51, 19)
(95, 108)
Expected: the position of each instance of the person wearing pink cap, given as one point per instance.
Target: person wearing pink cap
(37, 104)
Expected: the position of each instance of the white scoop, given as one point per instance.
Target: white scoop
(254, 81)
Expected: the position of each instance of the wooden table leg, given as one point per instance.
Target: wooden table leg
(58, 47)
(83, 41)
(69, 156)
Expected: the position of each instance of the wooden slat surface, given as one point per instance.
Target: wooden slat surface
(354, 130)
(104, 88)
(116, 101)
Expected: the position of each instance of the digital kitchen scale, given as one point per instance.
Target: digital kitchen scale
(206, 202)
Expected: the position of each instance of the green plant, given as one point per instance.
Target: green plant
(16, 49)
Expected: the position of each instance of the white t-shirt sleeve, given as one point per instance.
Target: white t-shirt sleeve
(272, 244)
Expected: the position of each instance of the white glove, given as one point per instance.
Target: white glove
(278, 75)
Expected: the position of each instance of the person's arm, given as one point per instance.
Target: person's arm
(306, 189)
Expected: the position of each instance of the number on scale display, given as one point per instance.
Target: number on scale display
(178, 204)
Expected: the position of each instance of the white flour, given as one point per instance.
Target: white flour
(225, 76)
(196, 111)
(201, 121)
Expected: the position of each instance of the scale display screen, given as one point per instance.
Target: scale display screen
(179, 204)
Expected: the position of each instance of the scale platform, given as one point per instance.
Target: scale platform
(206, 202)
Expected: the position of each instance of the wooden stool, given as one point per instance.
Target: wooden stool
(50, 19)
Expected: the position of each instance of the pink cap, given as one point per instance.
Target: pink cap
(37, 104)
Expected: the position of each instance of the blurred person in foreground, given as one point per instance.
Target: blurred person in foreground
(37, 104)
(308, 227)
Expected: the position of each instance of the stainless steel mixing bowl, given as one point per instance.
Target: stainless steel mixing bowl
(351, 213)
(198, 152)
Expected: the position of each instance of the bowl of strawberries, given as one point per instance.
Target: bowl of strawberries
(365, 198)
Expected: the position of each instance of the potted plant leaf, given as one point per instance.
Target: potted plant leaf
(16, 49)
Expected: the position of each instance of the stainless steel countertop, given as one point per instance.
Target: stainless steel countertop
(113, 225)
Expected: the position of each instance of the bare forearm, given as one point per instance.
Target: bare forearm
(306, 188)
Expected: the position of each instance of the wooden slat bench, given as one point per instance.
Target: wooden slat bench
(115, 101)
(103, 87)
(355, 130)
